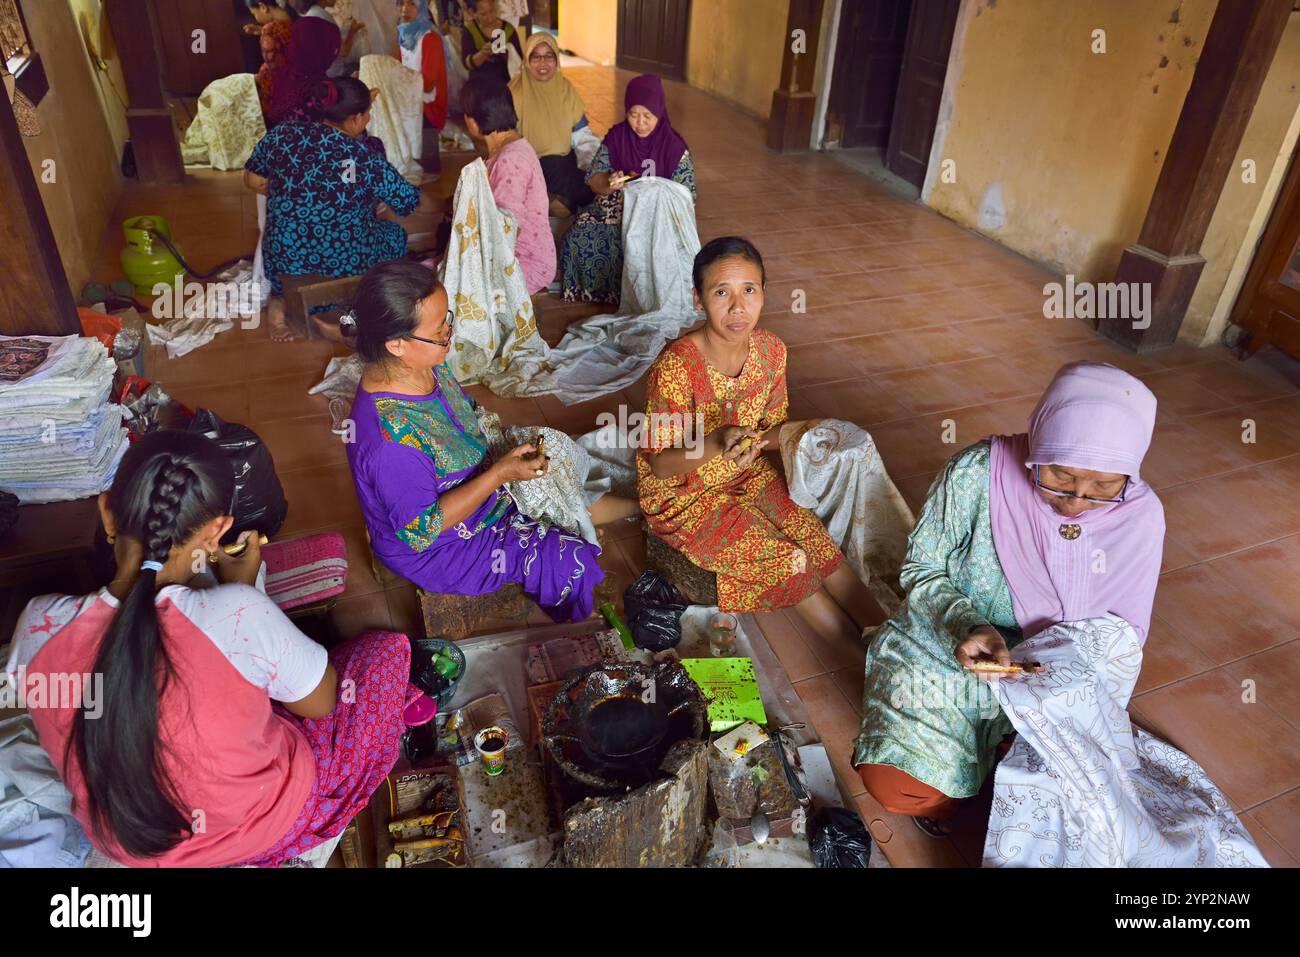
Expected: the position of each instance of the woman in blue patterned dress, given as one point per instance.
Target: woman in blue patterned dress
(327, 186)
(645, 144)
(434, 502)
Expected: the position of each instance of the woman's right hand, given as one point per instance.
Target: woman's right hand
(983, 643)
(618, 180)
(522, 464)
(730, 437)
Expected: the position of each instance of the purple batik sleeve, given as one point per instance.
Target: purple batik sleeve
(406, 489)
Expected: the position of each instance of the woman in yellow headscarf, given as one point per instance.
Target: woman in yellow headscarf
(549, 110)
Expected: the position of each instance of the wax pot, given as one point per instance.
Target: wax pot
(610, 725)
(145, 260)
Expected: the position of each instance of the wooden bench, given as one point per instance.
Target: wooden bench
(302, 294)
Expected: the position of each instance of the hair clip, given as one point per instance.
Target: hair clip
(348, 320)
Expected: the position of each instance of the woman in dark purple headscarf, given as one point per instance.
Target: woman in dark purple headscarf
(313, 44)
(643, 145)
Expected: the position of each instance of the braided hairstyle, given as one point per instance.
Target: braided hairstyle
(169, 485)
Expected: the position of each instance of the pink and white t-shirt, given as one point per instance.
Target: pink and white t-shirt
(518, 185)
(243, 771)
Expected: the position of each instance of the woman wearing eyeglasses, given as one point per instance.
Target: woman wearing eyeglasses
(1017, 534)
(434, 504)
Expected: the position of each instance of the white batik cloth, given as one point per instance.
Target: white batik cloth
(833, 469)
(1081, 787)
(227, 124)
(495, 339)
(397, 116)
(606, 353)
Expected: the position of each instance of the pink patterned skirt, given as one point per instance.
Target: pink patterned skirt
(355, 745)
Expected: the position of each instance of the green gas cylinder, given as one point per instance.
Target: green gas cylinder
(145, 260)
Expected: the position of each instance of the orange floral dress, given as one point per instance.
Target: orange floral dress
(738, 523)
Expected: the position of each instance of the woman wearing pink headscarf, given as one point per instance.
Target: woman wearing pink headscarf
(1018, 533)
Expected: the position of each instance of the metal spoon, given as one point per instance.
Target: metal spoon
(759, 826)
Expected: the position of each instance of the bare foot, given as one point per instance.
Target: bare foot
(277, 323)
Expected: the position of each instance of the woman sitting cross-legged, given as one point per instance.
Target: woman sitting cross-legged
(550, 110)
(514, 174)
(220, 734)
(434, 504)
(1017, 534)
(713, 397)
(329, 189)
(643, 145)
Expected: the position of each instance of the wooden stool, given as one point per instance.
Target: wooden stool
(698, 585)
(302, 294)
(457, 616)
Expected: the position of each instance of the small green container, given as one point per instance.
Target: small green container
(146, 261)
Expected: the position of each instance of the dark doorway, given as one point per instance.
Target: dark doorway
(652, 36)
(890, 62)
(868, 61)
(546, 14)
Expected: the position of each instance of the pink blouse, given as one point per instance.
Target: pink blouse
(517, 185)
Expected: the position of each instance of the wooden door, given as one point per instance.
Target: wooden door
(868, 59)
(186, 71)
(920, 87)
(546, 14)
(652, 36)
(1268, 308)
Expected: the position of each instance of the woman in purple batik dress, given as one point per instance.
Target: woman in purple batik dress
(435, 505)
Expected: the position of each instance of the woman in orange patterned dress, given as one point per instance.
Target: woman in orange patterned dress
(273, 27)
(713, 398)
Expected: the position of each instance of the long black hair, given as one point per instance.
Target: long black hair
(387, 305)
(725, 247)
(169, 484)
(337, 99)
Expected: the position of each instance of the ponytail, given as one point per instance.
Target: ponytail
(168, 486)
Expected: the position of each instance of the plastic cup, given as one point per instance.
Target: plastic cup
(491, 745)
(722, 635)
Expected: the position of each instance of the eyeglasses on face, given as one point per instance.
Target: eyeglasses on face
(442, 343)
(1062, 493)
(542, 58)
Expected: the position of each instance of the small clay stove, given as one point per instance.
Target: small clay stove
(610, 725)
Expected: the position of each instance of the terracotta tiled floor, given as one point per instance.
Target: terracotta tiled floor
(914, 327)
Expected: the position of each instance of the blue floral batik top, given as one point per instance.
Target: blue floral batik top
(324, 189)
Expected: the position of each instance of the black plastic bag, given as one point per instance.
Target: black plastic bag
(259, 498)
(654, 612)
(838, 838)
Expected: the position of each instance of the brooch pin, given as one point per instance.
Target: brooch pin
(1070, 532)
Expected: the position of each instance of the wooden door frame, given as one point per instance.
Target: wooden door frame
(36, 299)
(1270, 252)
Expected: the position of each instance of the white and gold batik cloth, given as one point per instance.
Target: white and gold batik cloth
(396, 117)
(833, 469)
(227, 124)
(495, 339)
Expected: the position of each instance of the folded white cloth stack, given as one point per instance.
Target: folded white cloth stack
(60, 437)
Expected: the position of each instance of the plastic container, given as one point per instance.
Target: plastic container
(434, 645)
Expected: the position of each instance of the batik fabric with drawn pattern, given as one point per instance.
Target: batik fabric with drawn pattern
(923, 713)
(591, 257)
(738, 523)
(409, 451)
(320, 214)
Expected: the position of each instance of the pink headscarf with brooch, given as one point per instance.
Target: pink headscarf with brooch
(1092, 416)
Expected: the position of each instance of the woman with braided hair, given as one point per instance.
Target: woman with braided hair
(198, 726)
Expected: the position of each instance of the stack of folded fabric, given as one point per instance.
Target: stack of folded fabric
(60, 437)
